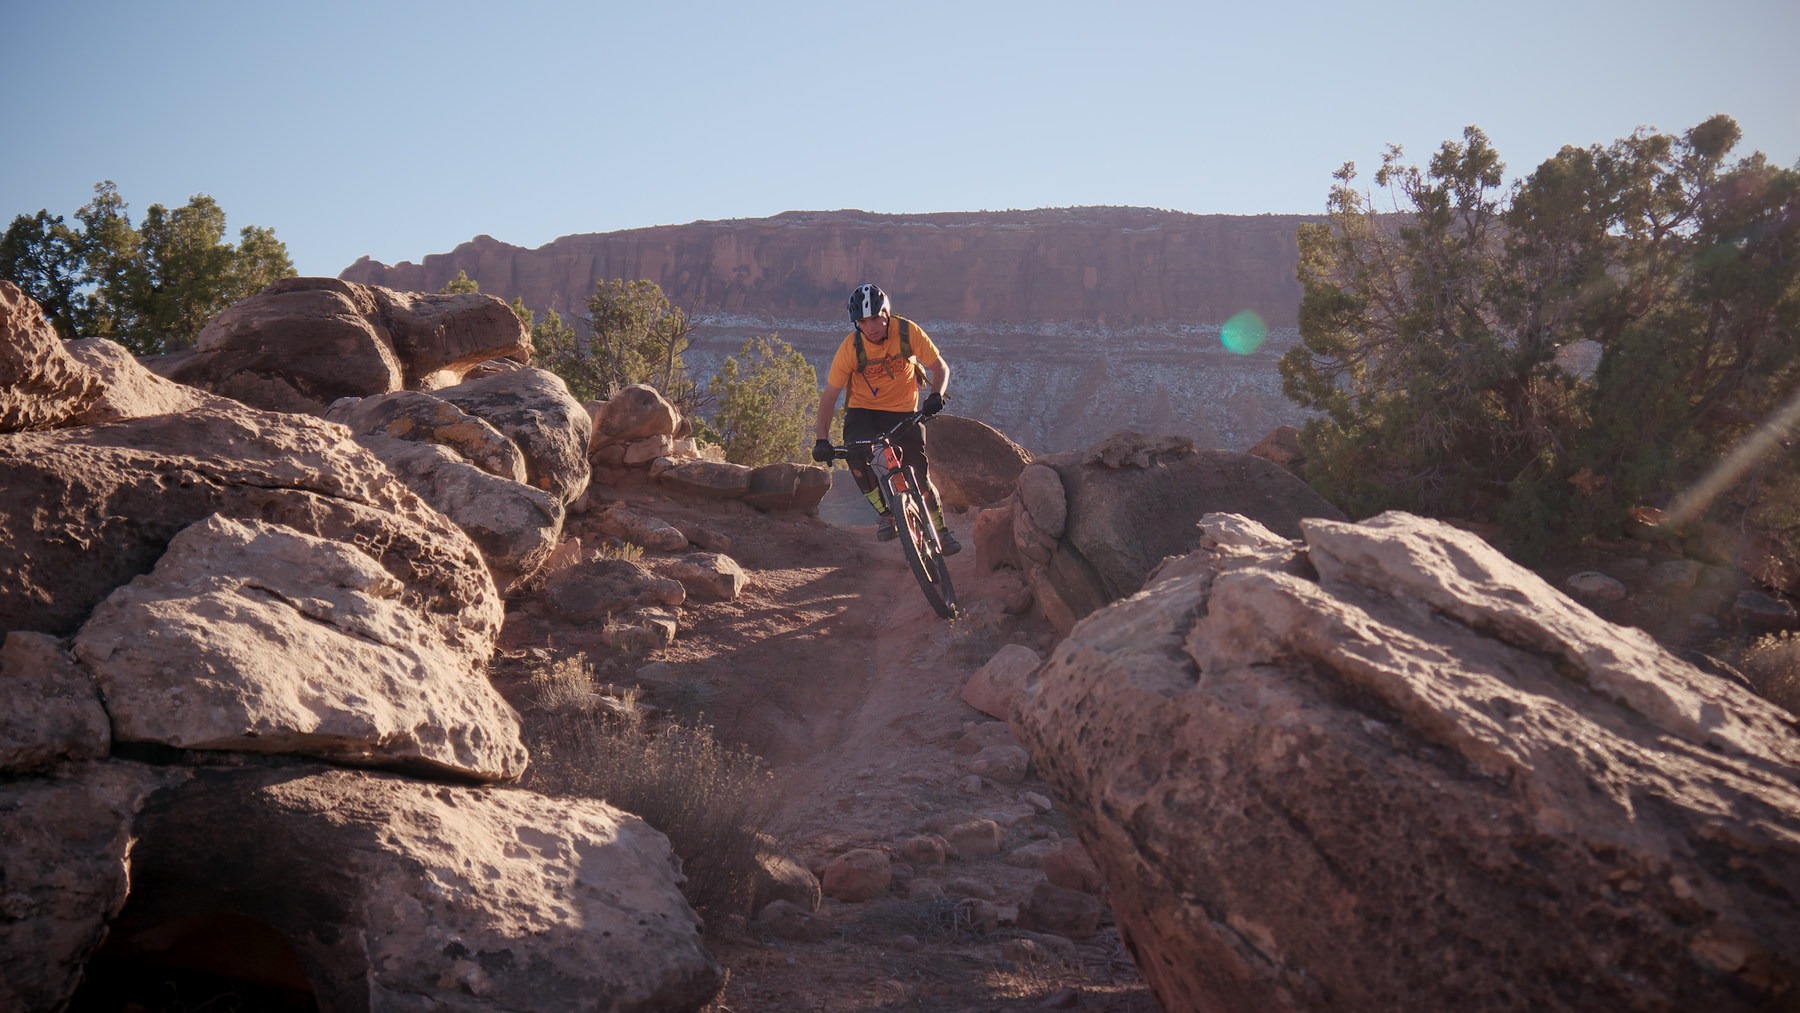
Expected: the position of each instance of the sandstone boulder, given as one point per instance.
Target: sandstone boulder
(640, 529)
(993, 539)
(925, 849)
(636, 412)
(1071, 914)
(975, 838)
(705, 479)
(788, 488)
(1590, 585)
(407, 895)
(1758, 611)
(302, 343)
(50, 710)
(306, 649)
(515, 525)
(129, 391)
(1006, 764)
(647, 449)
(533, 408)
(297, 346)
(1069, 866)
(40, 384)
(1427, 780)
(979, 735)
(88, 508)
(1128, 502)
(778, 877)
(420, 417)
(437, 333)
(64, 874)
(1044, 499)
(711, 575)
(857, 875)
(972, 464)
(995, 686)
(641, 630)
(594, 589)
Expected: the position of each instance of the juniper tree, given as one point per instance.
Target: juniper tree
(1431, 328)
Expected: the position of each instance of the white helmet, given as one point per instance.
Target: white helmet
(868, 301)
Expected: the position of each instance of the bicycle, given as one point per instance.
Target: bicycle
(905, 497)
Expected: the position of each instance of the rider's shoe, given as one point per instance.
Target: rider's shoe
(947, 543)
(887, 530)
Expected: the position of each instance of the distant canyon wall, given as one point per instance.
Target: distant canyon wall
(1063, 325)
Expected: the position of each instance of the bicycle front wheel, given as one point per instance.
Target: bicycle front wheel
(919, 541)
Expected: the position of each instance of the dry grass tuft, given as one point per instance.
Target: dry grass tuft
(711, 801)
(1772, 664)
(934, 919)
(614, 548)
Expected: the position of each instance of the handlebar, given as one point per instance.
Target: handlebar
(913, 419)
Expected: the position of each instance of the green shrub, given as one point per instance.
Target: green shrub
(765, 403)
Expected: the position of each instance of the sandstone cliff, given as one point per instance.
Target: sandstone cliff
(1063, 325)
(1119, 267)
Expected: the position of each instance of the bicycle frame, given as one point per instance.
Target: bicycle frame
(906, 502)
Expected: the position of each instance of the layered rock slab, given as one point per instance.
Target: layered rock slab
(253, 637)
(88, 508)
(1383, 767)
(515, 525)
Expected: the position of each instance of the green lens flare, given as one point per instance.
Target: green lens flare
(1243, 333)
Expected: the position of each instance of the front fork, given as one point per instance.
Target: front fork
(901, 481)
(890, 473)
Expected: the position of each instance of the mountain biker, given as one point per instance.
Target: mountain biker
(883, 364)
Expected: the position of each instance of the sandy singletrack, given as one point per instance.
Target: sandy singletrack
(833, 667)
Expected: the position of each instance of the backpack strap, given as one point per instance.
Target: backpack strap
(918, 371)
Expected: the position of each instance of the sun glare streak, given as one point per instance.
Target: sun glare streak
(1766, 439)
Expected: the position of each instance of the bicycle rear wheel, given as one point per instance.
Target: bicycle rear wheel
(919, 541)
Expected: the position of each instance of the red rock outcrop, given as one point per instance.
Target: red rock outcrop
(240, 581)
(1382, 767)
(1086, 528)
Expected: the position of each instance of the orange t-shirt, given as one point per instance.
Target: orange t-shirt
(888, 382)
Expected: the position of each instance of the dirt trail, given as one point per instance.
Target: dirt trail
(832, 666)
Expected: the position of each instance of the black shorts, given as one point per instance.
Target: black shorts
(866, 424)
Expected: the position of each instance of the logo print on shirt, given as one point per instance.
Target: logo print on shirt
(893, 367)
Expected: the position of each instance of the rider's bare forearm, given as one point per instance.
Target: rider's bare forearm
(828, 399)
(940, 376)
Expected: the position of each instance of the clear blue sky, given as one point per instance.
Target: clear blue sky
(402, 129)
